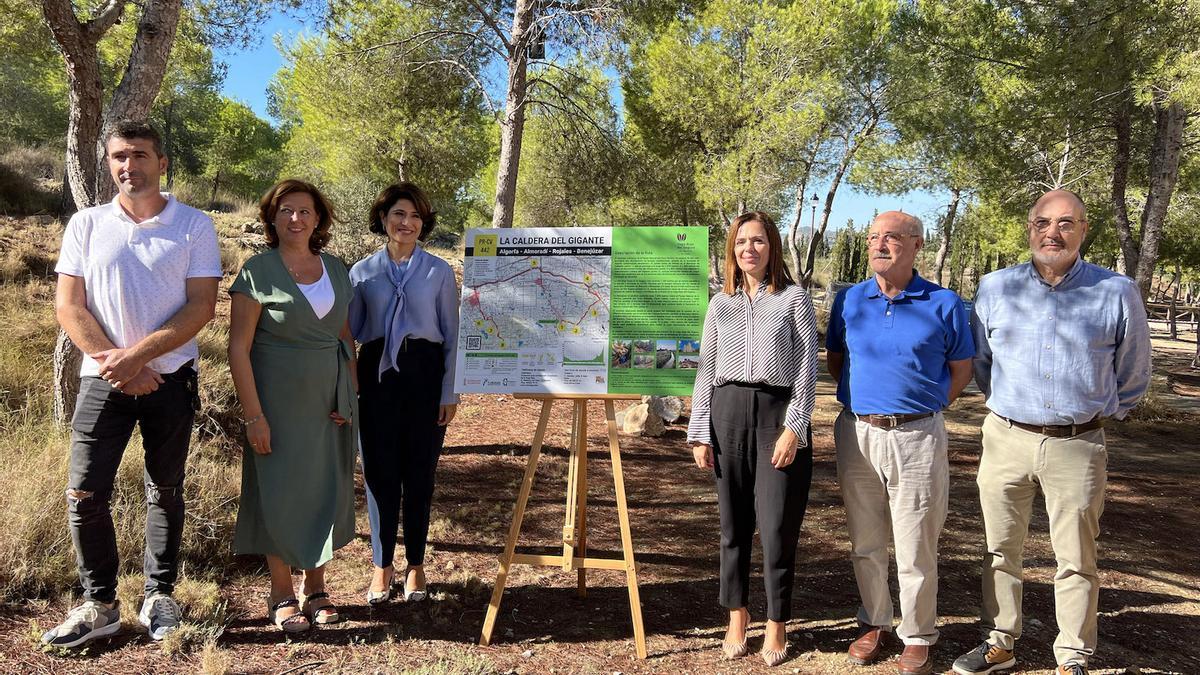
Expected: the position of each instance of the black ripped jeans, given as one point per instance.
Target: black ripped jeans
(100, 430)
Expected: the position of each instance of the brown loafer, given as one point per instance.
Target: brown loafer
(915, 661)
(865, 649)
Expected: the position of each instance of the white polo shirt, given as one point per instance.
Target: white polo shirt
(135, 274)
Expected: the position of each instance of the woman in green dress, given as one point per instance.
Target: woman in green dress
(292, 360)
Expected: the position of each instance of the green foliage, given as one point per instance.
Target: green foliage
(33, 94)
(1008, 112)
(574, 165)
(359, 112)
(763, 100)
(987, 237)
(244, 153)
(662, 160)
(738, 87)
(189, 111)
(188, 103)
(848, 258)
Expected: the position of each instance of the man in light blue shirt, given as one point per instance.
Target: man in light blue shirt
(1061, 344)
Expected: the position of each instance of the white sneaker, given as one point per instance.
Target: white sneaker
(160, 615)
(86, 622)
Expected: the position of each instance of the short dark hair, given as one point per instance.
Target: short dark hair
(268, 206)
(130, 129)
(394, 193)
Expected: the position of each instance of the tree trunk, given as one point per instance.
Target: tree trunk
(86, 169)
(939, 262)
(168, 134)
(512, 127)
(794, 238)
(1169, 121)
(853, 143)
(810, 256)
(77, 43)
(67, 359)
(134, 96)
(1122, 126)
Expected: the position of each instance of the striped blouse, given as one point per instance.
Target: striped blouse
(772, 341)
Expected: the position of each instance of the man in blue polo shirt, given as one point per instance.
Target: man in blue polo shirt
(900, 348)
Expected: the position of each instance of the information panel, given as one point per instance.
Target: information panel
(582, 310)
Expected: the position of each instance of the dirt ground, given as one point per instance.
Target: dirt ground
(1150, 604)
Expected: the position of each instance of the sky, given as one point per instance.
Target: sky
(250, 70)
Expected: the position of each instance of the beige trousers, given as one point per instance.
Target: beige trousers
(896, 485)
(1072, 473)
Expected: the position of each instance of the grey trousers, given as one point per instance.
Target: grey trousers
(103, 423)
(896, 485)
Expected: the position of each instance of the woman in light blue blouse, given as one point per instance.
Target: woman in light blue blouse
(405, 316)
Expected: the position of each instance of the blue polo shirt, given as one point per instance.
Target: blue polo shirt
(898, 350)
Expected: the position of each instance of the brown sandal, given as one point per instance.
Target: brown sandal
(324, 613)
(292, 623)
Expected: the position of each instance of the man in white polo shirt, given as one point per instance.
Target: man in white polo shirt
(137, 279)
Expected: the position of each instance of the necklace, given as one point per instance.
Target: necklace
(296, 274)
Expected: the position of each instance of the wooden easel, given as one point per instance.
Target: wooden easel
(574, 532)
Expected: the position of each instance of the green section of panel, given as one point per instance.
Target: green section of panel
(659, 296)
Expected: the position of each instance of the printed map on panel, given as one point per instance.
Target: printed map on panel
(553, 303)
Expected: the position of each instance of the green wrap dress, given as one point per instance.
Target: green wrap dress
(298, 502)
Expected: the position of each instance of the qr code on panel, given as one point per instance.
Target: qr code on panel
(474, 342)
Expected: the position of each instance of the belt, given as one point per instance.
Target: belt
(1057, 430)
(892, 421)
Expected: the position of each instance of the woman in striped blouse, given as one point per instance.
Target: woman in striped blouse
(750, 424)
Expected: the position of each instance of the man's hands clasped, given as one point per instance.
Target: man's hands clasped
(127, 373)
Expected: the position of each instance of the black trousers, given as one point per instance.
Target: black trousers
(401, 443)
(100, 430)
(746, 422)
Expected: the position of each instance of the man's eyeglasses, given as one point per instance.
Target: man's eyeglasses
(888, 237)
(1065, 225)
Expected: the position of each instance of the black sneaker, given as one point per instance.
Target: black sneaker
(1071, 669)
(986, 658)
(86, 622)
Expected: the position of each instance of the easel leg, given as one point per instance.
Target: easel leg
(568, 530)
(581, 496)
(635, 602)
(489, 621)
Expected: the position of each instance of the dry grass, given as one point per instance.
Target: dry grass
(199, 194)
(36, 556)
(214, 660)
(204, 613)
(30, 180)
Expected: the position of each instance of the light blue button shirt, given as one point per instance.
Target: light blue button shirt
(1065, 354)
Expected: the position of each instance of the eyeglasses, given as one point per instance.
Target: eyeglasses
(1065, 225)
(888, 237)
